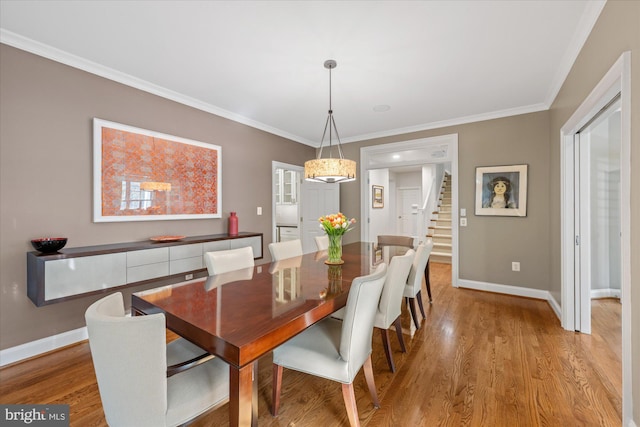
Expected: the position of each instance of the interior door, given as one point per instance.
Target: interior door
(317, 199)
(408, 204)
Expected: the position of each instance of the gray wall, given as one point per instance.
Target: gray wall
(616, 31)
(488, 245)
(46, 112)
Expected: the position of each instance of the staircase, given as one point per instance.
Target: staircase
(440, 228)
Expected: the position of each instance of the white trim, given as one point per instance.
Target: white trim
(452, 156)
(20, 42)
(605, 293)
(275, 165)
(618, 78)
(49, 52)
(555, 306)
(505, 289)
(583, 29)
(631, 424)
(534, 108)
(44, 345)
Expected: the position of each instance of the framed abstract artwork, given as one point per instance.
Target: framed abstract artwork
(142, 175)
(501, 190)
(377, 197)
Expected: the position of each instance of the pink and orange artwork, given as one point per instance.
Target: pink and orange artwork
(145, 175)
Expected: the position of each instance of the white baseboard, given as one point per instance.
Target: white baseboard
(631, 424)
(504, 289)
(605, 293)
(35, 348)
(555, 306)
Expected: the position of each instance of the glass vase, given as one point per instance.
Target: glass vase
(335, 249)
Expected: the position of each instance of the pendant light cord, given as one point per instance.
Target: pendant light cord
(330, 123)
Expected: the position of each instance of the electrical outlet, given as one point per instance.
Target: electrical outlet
(463, 222)
(259, 210)
(188, 276)
(515, 266)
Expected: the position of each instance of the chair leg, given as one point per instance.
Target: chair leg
(384, 333)
(368, 375)
(349, 397)
(419, 298)
(414, 315)
(398, 325)
(276, 386)
(428, 282)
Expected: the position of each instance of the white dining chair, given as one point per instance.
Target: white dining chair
(413, 288)
(229, 260)
(286, 249)
(334, 349)
(322, 242)
(131, 360)
(390, 304)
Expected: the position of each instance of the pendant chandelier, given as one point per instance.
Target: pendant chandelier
(330, 169)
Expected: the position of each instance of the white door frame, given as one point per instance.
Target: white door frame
(451, 143)
(617, 79)
(275, 165)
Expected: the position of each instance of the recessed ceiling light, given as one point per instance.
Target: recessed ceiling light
(381, 108)
(396, 156)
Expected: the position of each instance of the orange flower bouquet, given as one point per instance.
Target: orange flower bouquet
(335, 225)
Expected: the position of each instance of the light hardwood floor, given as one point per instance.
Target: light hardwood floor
(480, 359)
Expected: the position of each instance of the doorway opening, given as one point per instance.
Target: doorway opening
(581, 178)
(297, 204)
(401, 191)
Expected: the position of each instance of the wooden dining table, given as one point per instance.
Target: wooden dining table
(242, 315)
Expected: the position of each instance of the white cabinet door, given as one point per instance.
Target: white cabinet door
(71, 276)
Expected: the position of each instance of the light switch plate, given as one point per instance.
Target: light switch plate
(259, 210)
(463, 212)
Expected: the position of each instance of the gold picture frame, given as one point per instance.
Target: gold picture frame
(377, 197)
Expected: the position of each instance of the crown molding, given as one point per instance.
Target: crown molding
(452, 122)
(583, 29)
(54, 54)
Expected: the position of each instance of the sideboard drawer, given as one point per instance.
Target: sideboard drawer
(147, 256)
(185, 251)
(147, 271)
(220, 245)
(185, 264)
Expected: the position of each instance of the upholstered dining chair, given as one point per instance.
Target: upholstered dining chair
(131, 360)
(286, 249)
(388, 240)
(322, 242)
(229, 260)
(390, 305)
(334, 349)
(413, 288)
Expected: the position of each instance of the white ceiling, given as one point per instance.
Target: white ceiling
(434, 63)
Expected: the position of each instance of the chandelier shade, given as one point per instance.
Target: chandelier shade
(329, 169)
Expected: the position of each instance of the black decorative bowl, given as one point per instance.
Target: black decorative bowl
(49, 244)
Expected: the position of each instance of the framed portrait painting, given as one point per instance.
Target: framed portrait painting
(501, 190)
(142, 175)
(377, 197)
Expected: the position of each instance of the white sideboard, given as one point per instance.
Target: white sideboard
(77, 272)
